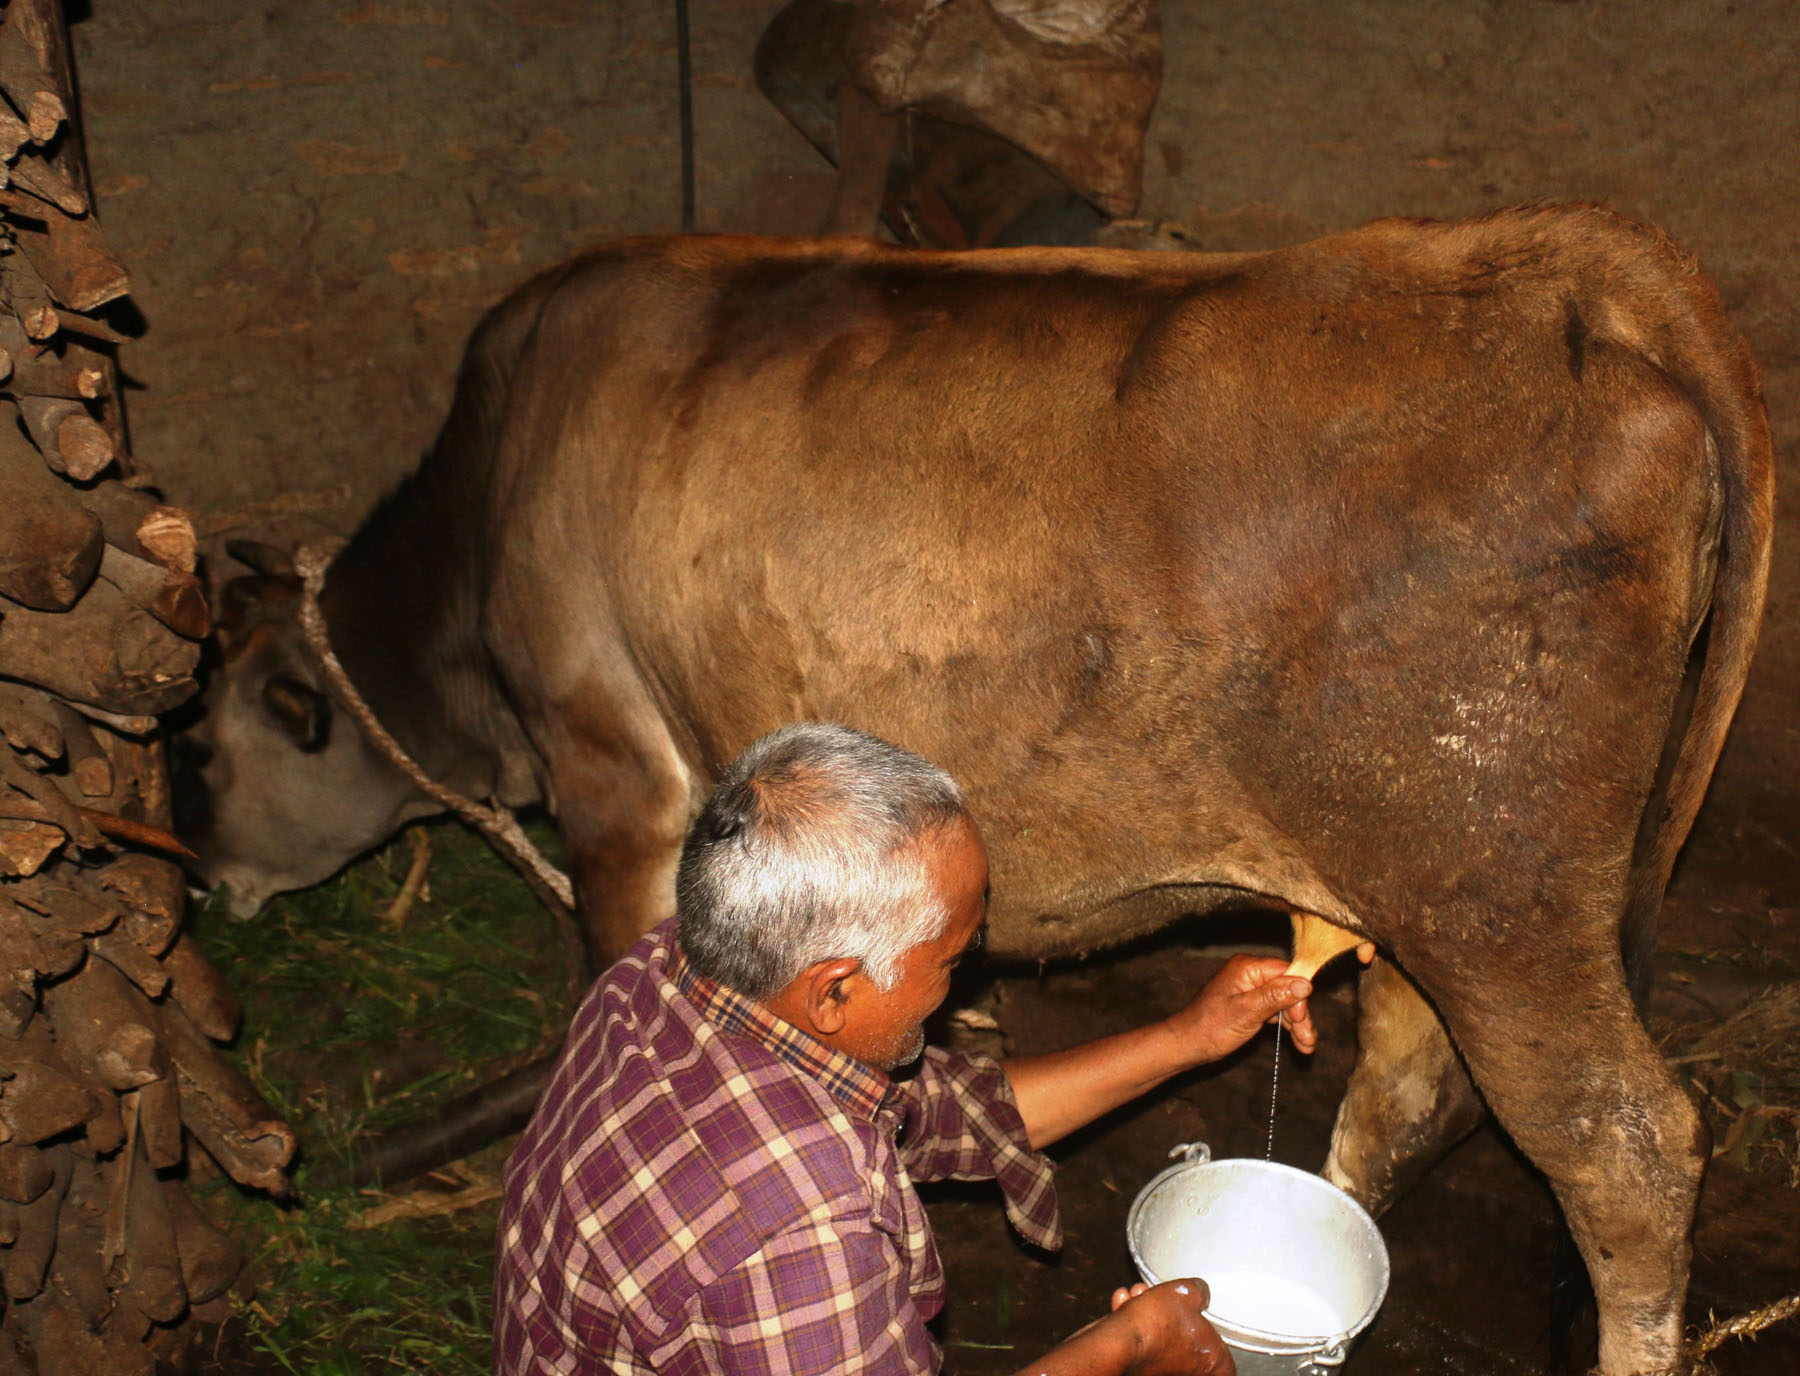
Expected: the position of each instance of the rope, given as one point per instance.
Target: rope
(1746, 1325)
(684, 81)
(1724, 1330)
(497, 824)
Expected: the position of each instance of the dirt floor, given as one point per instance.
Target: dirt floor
(317, 200)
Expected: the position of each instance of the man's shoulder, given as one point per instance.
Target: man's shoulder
(666, 1153)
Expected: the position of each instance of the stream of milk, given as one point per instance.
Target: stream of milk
(1273, 1304)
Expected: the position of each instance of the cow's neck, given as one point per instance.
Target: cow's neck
(401, 607)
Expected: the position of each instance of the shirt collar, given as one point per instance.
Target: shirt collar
(860, 1089)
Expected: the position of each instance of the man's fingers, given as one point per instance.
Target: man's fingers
(1295, 1014)
(1300, 1025)
(1194, 1288)
(1286, 992)
(1246, 972)
(1123, 1293)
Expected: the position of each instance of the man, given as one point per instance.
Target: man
(718, 1177)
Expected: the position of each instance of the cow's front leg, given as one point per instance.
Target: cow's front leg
(622, 801)
(1409, 1099)
(1550, 1035)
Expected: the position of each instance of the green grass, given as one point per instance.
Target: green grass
(352, 1025)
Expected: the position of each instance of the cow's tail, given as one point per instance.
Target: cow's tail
(1656, 301)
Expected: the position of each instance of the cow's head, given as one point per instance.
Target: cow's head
(276, 788)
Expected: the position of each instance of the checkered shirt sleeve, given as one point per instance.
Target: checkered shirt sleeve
(961, 1122)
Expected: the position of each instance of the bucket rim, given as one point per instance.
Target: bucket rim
(1277, 1344)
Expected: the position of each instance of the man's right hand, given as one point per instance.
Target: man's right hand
(1156, 1330)
(1173, 1335)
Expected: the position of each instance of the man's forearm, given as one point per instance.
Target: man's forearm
(1066, 1090)
(1102, 1349)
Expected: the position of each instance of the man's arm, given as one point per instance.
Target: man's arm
(1067, 1090)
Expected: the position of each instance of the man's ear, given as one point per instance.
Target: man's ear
(823, 991)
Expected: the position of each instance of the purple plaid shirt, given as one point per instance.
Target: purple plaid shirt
(706, 1188)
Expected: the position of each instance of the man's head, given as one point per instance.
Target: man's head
(835, 878)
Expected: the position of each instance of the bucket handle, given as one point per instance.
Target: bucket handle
(1196, 1153)
(1324, 1363)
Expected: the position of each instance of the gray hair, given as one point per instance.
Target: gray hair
(800, 856)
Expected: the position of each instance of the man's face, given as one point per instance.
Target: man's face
(886, 1028)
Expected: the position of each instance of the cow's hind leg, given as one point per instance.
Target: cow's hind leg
(1409, 1100)
(1551, 1037)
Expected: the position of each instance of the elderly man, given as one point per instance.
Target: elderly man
(718, 1177)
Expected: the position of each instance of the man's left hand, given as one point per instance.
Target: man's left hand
(1249, 992)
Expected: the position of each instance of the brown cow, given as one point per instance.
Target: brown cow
(1358, 578)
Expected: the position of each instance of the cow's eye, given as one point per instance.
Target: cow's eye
(301, 711)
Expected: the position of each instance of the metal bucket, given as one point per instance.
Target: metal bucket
(1297, 1268)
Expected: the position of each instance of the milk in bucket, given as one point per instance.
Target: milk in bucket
(1295, 1266)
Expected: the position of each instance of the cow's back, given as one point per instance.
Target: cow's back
(1203, 572)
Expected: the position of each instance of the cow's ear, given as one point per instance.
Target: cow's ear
(300, 710)
(265, 558)
(236, 605)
